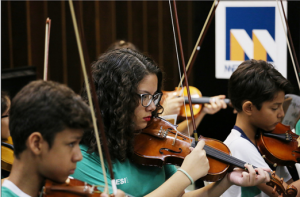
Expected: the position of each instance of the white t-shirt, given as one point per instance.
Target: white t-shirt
(13, 188)
(242, 148)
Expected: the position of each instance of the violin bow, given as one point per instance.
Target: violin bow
(200, 40)
(46, 54)
(290, 46)
(183, 64)
(88, 74)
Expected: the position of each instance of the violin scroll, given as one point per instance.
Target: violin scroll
(290, 191)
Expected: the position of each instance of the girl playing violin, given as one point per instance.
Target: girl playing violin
(172, 103)
(128, 85)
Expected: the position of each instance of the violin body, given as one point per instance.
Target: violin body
(279, 147)
(71, 188)
(154, 147)
(7, 154)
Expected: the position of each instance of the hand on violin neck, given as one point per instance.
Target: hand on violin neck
(251, 178)
(216, 104)
(196, 163)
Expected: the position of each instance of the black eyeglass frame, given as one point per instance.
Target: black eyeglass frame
(156, 102)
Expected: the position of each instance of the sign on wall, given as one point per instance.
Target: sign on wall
(249, 30)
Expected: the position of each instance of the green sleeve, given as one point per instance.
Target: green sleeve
(297, 129)
(89, 170)
(170, 170)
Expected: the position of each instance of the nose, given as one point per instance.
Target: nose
(77, 155)
(151, 107)
(281, 112)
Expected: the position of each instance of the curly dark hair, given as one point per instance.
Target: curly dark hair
(257, 81)
(49, 108)
(117, 75)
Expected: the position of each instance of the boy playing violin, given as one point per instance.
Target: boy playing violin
(256, 90)
(47, 121)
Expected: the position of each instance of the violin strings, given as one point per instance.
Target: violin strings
(224, 157)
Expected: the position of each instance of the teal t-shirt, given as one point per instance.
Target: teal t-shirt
(297, 129)
(133, 179)
(7, 192)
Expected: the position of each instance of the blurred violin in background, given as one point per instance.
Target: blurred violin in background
(197, 100)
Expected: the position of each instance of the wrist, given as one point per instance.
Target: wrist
(227, 181)
(187, 175)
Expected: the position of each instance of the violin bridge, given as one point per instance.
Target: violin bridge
(175, 138)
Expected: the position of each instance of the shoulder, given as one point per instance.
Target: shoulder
(234, 140)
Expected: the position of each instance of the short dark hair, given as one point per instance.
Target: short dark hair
(4, 101)
(257, 81)
(117, 75)
(46, 107)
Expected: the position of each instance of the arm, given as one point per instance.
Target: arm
(215, 105)
(237, 177)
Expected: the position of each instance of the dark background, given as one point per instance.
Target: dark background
(147, 24)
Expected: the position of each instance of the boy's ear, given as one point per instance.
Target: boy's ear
(247, 107)
(35, 142)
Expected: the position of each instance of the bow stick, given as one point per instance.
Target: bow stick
(46, 54)
(88, 74)
(292, 52)
(200, 39)
(183, 64)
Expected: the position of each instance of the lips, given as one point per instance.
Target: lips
(148, 118)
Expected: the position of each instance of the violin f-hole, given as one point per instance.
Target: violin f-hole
(172, 151)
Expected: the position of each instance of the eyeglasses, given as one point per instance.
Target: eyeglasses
(4, 116)
(146, 99)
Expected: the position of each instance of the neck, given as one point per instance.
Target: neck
(242, 121)
(25, 176)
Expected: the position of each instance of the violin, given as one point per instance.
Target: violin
(71, 188)
(7, 154)
(197, 100)
(280, 147)
(160, 143)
